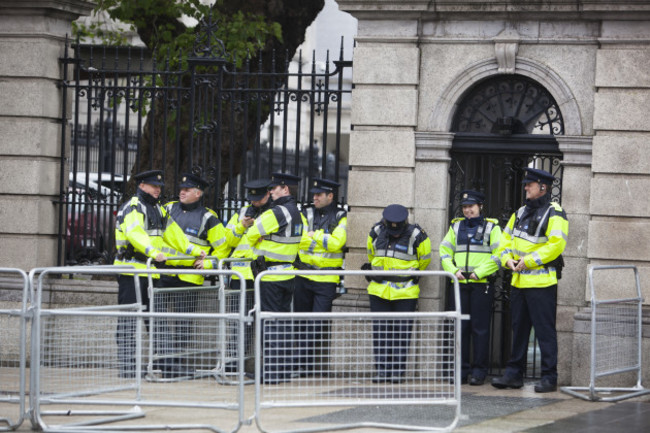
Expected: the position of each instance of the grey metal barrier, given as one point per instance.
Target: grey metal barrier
(172, 339)
(94, 356)
(13, 322)
(616, 337)
(231, 301)
(375, 366)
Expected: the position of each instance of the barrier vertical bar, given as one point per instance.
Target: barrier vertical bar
(12, 423)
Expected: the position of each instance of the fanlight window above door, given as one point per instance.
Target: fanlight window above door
(508, 105)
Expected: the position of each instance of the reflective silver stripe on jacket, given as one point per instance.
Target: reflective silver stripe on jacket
(310, 219)
(274, 256)
(324, 255)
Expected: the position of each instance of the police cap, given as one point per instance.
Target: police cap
(537, 175)
(189, 180)
(256, 189)
(395, 216)
(469, 196)
(151, 177)
(323, 185)
(284, 179)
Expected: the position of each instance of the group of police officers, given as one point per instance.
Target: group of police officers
(271, 233)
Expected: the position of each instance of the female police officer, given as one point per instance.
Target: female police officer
(469, 250)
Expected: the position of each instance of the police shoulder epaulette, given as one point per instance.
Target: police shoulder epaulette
(493, 220)
(455, 220)
(134, 200)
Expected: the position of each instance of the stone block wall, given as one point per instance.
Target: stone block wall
(31, 43)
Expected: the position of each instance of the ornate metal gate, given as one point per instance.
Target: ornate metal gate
(124, 112)
(502, 126)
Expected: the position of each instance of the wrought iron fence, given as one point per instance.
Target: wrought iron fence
(228, 123)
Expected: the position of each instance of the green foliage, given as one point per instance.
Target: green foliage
(158, 22)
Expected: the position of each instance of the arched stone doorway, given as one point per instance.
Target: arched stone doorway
(503, 124)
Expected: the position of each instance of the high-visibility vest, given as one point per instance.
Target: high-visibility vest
(477, 251)
(539, 235)
(325, 248)
(203, 228)
(236, 238)
(143, 229)
(412, 250)
(276, 236)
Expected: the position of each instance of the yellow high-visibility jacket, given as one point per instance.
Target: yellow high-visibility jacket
(203, 229)
(476, 250)
(143, 229)
(412, 250)
(325, 248)
(236, 238)
(538, 234)
(276, 236)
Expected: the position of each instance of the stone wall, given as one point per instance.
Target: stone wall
(31, 43)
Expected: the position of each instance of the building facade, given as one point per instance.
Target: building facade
(417, 62)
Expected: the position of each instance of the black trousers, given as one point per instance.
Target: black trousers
(317, 297)
(475, 300)
(126, 326)
(391, 337)
(277, 333)
(534, 308)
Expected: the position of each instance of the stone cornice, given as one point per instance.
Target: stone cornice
(60, 8)
(491, 9)
(433, 146)
(576, 150)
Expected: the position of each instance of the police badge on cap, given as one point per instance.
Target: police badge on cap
(323, 185)
(151, 177)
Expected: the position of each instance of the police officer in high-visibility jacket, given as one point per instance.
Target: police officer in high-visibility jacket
(470, 251)
(275, 237)
(394, 244)
(143, 230)
(531, 245)
(260, 201)
(321, 248)
(204, 229)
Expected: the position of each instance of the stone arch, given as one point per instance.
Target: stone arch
(441, 117)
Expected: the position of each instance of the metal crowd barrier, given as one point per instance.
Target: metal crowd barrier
(616, 340)
(325, 360)
(13, 322)
(231, 301)
(76, 362)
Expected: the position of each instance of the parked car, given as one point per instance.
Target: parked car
(92, 203)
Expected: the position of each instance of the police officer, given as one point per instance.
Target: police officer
(394, 244)
(204, 229)
(531, 245)
(275, 237)
(260, 201)
(470, 251)
(321, 247)
(143, 230)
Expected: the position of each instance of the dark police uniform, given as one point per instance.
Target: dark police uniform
(276, 236)
(536, 233)
(393, 244)
(322, 251)
(471, 246)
